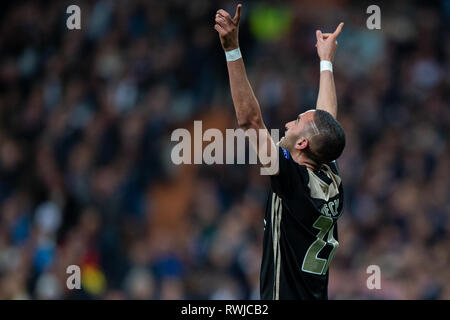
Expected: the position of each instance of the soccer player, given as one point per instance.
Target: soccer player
(300, 224)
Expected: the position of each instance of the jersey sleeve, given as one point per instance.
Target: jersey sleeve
(288, 174)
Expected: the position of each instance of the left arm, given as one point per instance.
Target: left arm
(326, 47)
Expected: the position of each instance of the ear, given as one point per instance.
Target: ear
(301, 144)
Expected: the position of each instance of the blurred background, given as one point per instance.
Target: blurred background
(85, 123)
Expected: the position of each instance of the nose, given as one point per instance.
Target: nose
(288, 125)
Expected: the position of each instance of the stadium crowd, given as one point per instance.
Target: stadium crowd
(85, 172)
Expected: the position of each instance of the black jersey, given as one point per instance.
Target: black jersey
(300, 230)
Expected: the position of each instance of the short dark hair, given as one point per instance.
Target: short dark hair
(330, 142)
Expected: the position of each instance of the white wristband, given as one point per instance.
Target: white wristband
(233, 55)
(326, 65)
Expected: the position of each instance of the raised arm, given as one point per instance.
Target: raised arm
(326, 47)
(248, 112)
(247, 108)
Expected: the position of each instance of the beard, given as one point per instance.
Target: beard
(286, 143)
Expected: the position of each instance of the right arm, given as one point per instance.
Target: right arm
(248, 112)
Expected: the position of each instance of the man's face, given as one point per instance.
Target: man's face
(294, 135)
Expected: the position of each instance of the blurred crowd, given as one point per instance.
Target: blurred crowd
(85, 122)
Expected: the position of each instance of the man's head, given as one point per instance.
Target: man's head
(315, 134)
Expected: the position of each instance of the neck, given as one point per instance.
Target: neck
(302, 159)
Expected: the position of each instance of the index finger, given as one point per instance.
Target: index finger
(237, 15)
(338, 30)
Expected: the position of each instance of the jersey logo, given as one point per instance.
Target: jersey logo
(285, 153)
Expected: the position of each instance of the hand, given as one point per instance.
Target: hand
(326, 43)
(228, 28)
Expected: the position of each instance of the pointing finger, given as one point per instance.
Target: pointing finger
(338, 30)
(237, 15)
